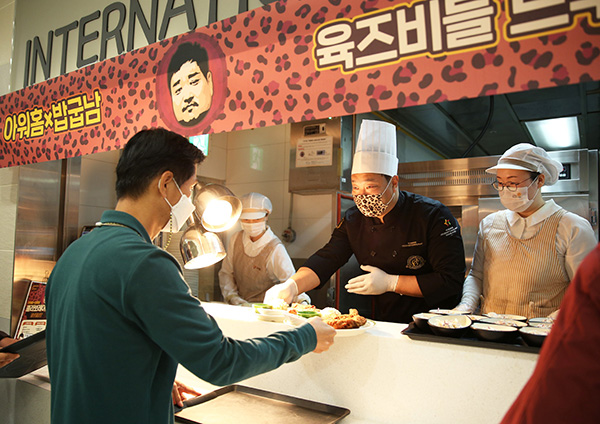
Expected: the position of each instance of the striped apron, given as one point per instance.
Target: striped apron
(250, 273)
(523, 277)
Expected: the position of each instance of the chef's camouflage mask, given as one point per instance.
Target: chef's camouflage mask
(371, 205)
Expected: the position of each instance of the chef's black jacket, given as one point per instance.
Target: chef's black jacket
(419, 236)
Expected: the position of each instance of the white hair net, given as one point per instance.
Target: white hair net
(255, 206)
(528, 157)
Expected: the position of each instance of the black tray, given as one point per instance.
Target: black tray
(469, 339)
(241, 404)
(33, 356)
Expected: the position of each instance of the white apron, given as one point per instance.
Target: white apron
(523, 277)
(250, 273)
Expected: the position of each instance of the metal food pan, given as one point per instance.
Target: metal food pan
(241, 404)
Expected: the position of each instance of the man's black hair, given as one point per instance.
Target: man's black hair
(188, 52)
(151, 152)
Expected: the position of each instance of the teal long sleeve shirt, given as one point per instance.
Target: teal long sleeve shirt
(120, 319)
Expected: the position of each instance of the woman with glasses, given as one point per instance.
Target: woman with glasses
(525, 256)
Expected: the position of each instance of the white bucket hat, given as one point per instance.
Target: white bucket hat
(527, 157)
(255, 206)
(376, 149)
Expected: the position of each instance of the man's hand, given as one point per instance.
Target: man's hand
(287, 291)
(325, 334)
(182, 392)
(375, 282)
(7, 358)
(7, 341)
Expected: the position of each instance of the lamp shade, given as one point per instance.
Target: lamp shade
(200, 248)
(217, 207)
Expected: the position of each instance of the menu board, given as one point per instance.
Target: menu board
(33, 316)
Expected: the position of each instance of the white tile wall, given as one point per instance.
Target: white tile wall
(215, 164)
(256, 163)
(312, 215)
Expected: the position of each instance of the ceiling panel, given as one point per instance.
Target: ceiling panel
(451, 128)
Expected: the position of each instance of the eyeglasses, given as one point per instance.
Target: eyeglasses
(509, 186)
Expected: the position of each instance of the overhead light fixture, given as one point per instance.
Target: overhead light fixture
(200, 248)
(217, 207)
(556, 133)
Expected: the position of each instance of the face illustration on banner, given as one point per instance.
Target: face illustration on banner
(190, 84)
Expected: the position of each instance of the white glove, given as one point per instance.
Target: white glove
(236, 300)
(554, 315)
(287, 291)
(302, 298)
(375, 282)
(471, 295)
(463, 307)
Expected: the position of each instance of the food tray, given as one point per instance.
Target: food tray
(241, 404)
(469, 339)
(33, 356)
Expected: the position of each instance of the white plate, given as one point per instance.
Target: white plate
(349, 332)
(439, 311)
(506, 316)
(272, 315)
(295, 320)
(542, 319)
(504, 321)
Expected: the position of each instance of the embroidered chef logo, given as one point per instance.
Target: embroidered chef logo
(415, 262)
(449, 230)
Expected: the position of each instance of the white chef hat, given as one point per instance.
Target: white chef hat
(255, 206)
(527, 157)
(376, 149)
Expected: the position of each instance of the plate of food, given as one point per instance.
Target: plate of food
(350, 324)
(349, 332)
(346, 325)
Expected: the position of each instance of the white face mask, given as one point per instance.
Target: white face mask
(254, 229)
(517, 201)
(180, 213)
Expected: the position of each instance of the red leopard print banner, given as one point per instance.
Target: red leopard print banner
(301, 60)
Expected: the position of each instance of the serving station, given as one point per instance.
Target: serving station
(380, 375)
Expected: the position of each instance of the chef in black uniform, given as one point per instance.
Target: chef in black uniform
(409, 245)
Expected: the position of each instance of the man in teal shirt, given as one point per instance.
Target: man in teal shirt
(120, 315)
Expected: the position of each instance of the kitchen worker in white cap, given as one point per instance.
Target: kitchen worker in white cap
(526, 255)
(256, 259)
(409, 246)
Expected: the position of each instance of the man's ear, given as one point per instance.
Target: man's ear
(163, 180)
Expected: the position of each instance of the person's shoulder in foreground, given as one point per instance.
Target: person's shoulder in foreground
(564, 385)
